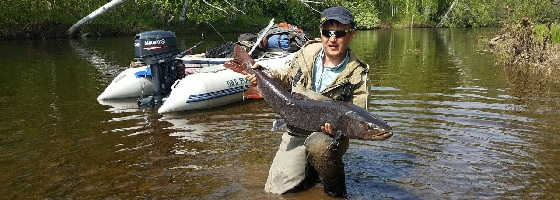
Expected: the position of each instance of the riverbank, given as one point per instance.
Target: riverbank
(55, 30)
(40, 19)
(529, 49)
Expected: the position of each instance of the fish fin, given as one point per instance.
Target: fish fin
(279, 125)
(336, 141)
(236, 65)
(243, 57)
(297, 131)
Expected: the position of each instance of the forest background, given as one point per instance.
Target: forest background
(51, 18)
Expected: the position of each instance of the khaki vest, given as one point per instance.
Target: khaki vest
(351, 84)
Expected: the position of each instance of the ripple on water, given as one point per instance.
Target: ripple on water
(469, 143)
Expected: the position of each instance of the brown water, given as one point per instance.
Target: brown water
(463, 129)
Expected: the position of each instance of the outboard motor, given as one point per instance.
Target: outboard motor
(158, 49)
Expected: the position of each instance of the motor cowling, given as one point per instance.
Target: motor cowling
(156, 46)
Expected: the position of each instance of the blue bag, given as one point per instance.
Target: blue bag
(278, 41)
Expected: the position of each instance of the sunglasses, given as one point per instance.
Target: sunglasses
(336, 34)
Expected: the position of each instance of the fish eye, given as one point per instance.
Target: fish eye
(363, 125)
(371, 126)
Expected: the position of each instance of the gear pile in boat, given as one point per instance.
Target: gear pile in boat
(280, 37)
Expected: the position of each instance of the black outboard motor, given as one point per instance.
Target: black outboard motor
(158, 49)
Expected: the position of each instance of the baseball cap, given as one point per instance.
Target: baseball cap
(339, 14)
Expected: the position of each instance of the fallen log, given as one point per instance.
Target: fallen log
(92, 15)
(446, 13)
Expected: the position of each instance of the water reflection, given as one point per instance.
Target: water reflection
(120, 105)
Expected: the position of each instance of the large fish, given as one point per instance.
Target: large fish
(308, 115)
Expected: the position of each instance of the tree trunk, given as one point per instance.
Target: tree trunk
(94, 14)
(184, 12)
(446, 13)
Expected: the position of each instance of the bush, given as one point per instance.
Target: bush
(518, 46)
(365, 14)
(555, 33)
(540, 32)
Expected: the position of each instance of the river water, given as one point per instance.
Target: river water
(464, 127)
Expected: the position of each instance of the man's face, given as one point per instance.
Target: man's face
(333, 44)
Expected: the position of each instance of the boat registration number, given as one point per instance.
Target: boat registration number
(237, 82)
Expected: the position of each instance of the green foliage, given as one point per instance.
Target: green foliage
(539, 11)
(466, 13)
(475, 13)
(365, 13)
(405, 12)
(555, 33)
(428, 11)
(540, 32)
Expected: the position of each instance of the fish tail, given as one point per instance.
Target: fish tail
(243, 58)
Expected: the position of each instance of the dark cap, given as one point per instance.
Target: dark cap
(339, 14)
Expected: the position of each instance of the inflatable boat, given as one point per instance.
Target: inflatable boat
(207, 83)
(182, 82)
(131, 83)
(213, 85)
(205, 90)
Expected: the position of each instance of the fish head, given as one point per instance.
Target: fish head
(366, 126)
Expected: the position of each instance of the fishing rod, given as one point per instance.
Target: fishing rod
(189, 50)
(217, 32)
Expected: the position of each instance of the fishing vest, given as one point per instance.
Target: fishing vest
(350, 86)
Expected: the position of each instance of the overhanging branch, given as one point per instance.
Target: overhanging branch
(216, 7)
(234, 7)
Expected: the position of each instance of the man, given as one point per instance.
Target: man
(326, 71)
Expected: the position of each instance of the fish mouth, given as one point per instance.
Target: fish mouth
(381, 135)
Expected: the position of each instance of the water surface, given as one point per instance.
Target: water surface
(463, 129)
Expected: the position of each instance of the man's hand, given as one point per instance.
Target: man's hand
(327, 128)
(251, 77)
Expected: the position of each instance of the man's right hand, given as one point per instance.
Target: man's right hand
(327, 128)
(251, 77)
